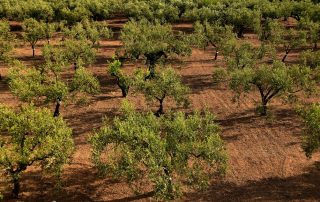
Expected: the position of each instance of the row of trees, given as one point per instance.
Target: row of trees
(241, 14)
(167, 150)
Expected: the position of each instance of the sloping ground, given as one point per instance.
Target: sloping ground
(266, 162)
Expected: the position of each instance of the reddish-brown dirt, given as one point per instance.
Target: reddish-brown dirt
(266, 162)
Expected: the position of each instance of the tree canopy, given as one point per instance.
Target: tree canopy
(32, 137)
(166, 83)
(311, 118)
(168, 152)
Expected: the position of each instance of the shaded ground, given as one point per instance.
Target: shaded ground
(266, 162)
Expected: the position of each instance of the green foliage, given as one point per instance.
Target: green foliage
(84, 82)
(219, 75)
(271, 31)
(31, 85)
(33, 32)
(313, 30)
(45, 84)
(272, 81)
(218, 36)
(311, 118)
(123, 81)
(50, 29)
(165, 84)
(275, 34)
(310, 58)
(242, 18)
(246, 55)
(6, 39)
(90, 30)
(32, 136)
(153, 41)
(168, 152)
(79, 52)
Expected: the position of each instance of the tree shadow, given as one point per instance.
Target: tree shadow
(4, 87)
(134, 198)
(199, 83)
(78, 184)
(282, 119)
(88, 121)
(295, 188)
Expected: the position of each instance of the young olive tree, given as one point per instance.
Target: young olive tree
(165, 83)
(271, 81)
(123, 81)
(169, 152)
(153, 41)
(218, 36)
(245, 55)
(288, 39)
(6, 40)
(311, 58)
(50, 29)
(90, 30)
(7, 37)
(79, 52)
(311, 119)
(313, 31)
(44, 84)
(241, 18)
(32, 137)
(33, 31)
(291, 40)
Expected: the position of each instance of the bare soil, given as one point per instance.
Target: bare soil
(266, 162)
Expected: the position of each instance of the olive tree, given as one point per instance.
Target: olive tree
(90, 30)
(220, 37)
(246, 55)
(123, 81)
(50, 29)
(311, 58)
(292, 39)
(44, 84)
(241, 18)
(32, 137)
(311, 119)
(271, 81)
(5, 33)
(288, 39)
(33, 31)
(79, 52)
(6, 42)
(313, 31)
(166, 152)
(166, 83)
(153, 41)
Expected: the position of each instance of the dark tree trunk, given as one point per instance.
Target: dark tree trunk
(124, 89)
(16, 187)
(263, 110)
(286, 55)
(152, 70)
(170, 185)
(160, 110)
(33, 51)
(240, 32)
(152, 59)
(57, 109)
(75, 66)
(315, 46)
